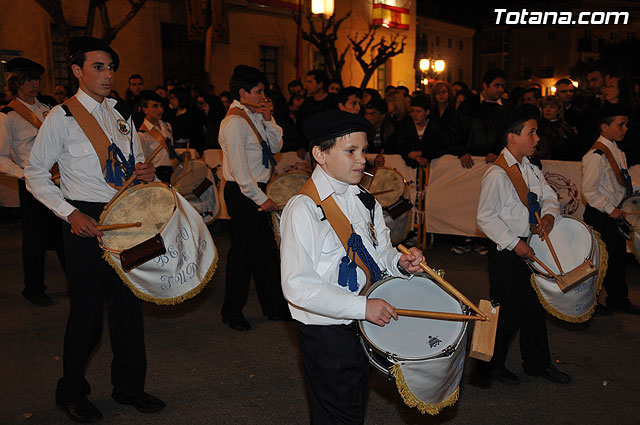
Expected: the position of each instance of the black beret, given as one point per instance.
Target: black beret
(524, 112)
(332, 124)
(78, 45)
(24, 64)
(609, 110)
(421, 101)
(248, 74)
(151, 95)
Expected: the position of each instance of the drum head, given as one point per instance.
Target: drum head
(387, 186)
(151, 204)
(632, 204)
(286, 186)
(571, 239)
(412, 338)
(188, 177)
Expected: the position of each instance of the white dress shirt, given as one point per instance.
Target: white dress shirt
(150, 144)
(16, 138)
(501, 214)
(61, 140)
(600, 188)
(311, 251)
(242, 152)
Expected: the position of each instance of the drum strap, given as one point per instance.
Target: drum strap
(267, 155)
(622, 175)
(25, 113)
(338, 221)
(161, 139)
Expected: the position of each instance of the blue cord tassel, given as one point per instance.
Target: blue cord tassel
(353, 276)
(343, 271)
(534, 207)
(109, 171)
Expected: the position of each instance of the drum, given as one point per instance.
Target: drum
(630, 226)
(425, 356)
(196, 183)
(190, 258)
(574, 243)
(389, 188)
(280, 189)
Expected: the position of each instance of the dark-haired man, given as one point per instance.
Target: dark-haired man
(132, 97)
(420, 140)
(349, 99)
(249, 136)
(84, 190)
(318, 100)
(18, 130)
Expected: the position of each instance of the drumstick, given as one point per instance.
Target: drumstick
(631, 212)
(104, 227)
(382, 192)
(548, 241)
(443, 282)
(126, 184)
(279, 206)
(437, 315)
(548, 270)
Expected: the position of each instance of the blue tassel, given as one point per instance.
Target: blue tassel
(343, 271)
(109, 171)
(627, 180)
(353, 276)
(118, 179)
(534, 207)
(267, 155)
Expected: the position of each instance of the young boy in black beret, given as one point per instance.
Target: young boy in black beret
(319, 274)
(605, 183)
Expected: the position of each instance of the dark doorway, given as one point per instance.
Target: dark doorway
(182, 59)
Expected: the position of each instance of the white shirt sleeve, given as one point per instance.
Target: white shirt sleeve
(593, 168)
(7, 166)
(274, 135)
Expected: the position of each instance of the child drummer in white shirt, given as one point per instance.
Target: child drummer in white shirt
(320, 279)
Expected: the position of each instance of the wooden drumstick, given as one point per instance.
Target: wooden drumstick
(382, 192)
(631, 212)
(279, 206)
(126, 184)
(437, 315)
(443, 282)
(104, 227)
(548, 241)
(548, 270)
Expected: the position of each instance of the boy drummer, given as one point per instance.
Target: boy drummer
(605, 183)
(322, 284)
(504, 218)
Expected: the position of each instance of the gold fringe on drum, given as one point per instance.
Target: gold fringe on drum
(602, 271)
(162, 301)
(412, 401)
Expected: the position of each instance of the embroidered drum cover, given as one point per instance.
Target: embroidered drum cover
(187, 178)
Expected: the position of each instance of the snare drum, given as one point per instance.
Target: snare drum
(389, 189)
(574, 243)
(425, 356)
(280, 189)
(191, 256)
(629, 227)
(196, 183)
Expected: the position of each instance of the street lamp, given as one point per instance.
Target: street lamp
(322, 7)
(430, 68)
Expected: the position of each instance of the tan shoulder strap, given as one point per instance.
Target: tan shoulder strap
(338, 221)
(91, 129)
(242, 113)
(515, 175)
(156, 135)
(25, 113)
(612, 162)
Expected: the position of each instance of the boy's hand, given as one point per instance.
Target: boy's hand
(269, 206)
(523, 250)
(83, 225)
(411, 263)
(546, 226)
(616, 214)
(380, 312)
(145, 172)
(466, 160)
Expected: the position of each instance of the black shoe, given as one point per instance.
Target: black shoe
(603, 310)
(504, 375)
(239, 324)
(624, 307)
(280, 317)
(551, 373)
(79, 410)
(142, 401)
(40, 298)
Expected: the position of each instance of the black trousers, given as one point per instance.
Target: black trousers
(92, 282)
(254, 253)
(614, 282)
(41, 229)
(520, 309)
(336, 373)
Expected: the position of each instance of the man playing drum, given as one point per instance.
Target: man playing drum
(84, 190)
(504, 218)
(319, 275)
(605, 183)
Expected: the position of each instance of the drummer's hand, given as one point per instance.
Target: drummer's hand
(546, 226)
(83, 225)
(414, 155)
(466, 160)
(379, 161)
(266, 109)
(145, 172)
(523, 250)
(380, 312)
(269, 206)
(411, 263)
(616, 214)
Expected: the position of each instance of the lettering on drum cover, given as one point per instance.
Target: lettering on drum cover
(433, 341)
(186, 268)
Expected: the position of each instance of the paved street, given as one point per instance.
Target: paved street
(209, 374)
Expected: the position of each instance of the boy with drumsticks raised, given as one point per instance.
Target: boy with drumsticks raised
(503, 216)
(334, 242)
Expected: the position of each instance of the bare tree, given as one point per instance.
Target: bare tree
(381, 51)
(324, 39)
